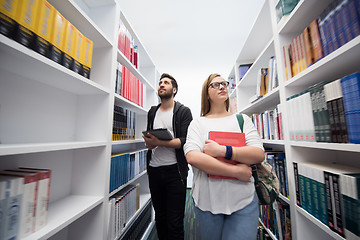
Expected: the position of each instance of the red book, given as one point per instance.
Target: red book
(234, 139)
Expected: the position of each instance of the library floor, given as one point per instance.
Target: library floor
(190, 225)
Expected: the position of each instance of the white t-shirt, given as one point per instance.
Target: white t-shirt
(163, 156)
(220, 195)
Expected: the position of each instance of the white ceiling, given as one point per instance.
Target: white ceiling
(191, 39)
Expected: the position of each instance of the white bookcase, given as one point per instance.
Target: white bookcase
(51, 117)
(266, 39)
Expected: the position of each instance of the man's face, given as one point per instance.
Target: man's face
(165, 89)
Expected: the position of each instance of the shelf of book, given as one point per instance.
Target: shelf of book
(271, 234)
(65, 211)
(125, 62)
(264, 103)
(273, 142)
(340, 62)
(125, 142)
(258, 62)
(301, 16)
(121, 101)
(319, 224)
(284, 198)
(145, 60)
(13, 149)
(144, 200)
(343, 147)
(331, 66)
(55, 118)
(14, 54)
(128, 183)
(92, 22)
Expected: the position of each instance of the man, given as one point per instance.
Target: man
(166, 163)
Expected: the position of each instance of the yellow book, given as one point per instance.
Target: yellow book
(87, 57)
(68, 47)
(44, 27)
(57, 37)
(8, 11)
(77, 51)
(26, 17)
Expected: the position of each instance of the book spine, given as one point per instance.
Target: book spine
(316, 41)
(338, 205)
(297, 184)
(329, 200)
(323, 213)
(324, 116)
(351, 100)
(354, 17)
(12, 204)
(314, 94)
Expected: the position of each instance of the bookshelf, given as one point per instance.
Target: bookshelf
(52, 117)
(337, 64)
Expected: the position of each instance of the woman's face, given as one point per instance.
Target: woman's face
(218, 90)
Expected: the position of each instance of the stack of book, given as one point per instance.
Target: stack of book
(125, 167)
(269, 124)
(330, 192)
(337, 24)
(24, 201)
(277, 160)
(126, 44)
(123, 124)
(328, 111)
(267, 80)
(129, 86)
(36, 24)
(123, 205)
(140, 225)
(276, 218)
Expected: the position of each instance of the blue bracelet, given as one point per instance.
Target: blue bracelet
(228, 154)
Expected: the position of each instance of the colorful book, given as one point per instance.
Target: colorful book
(8, 18)
(43, 195)
(43, 27)
(351, 98)
(27, 215)
(334, 100)
(316, 40)
(234, 139)
(11, 192)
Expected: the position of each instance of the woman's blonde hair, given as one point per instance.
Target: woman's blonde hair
(205, 102)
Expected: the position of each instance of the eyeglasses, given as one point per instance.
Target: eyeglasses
(217, 84)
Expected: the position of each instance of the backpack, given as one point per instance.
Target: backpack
(266, 182)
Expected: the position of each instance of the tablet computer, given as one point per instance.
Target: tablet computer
(160, 133)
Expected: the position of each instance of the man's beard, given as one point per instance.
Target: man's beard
(165, 95)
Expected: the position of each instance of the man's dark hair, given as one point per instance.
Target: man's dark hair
(173, 81)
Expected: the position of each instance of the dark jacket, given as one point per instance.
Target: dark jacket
(180, 123)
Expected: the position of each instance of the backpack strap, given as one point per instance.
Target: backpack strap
(240, 119)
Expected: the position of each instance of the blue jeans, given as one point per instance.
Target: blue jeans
(168, 195)
(240, 225)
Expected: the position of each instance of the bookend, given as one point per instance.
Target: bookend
(266, 182)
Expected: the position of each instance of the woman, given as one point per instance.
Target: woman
(225, 209)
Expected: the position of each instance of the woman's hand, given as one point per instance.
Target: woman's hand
(213, 149)
(243, 172)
